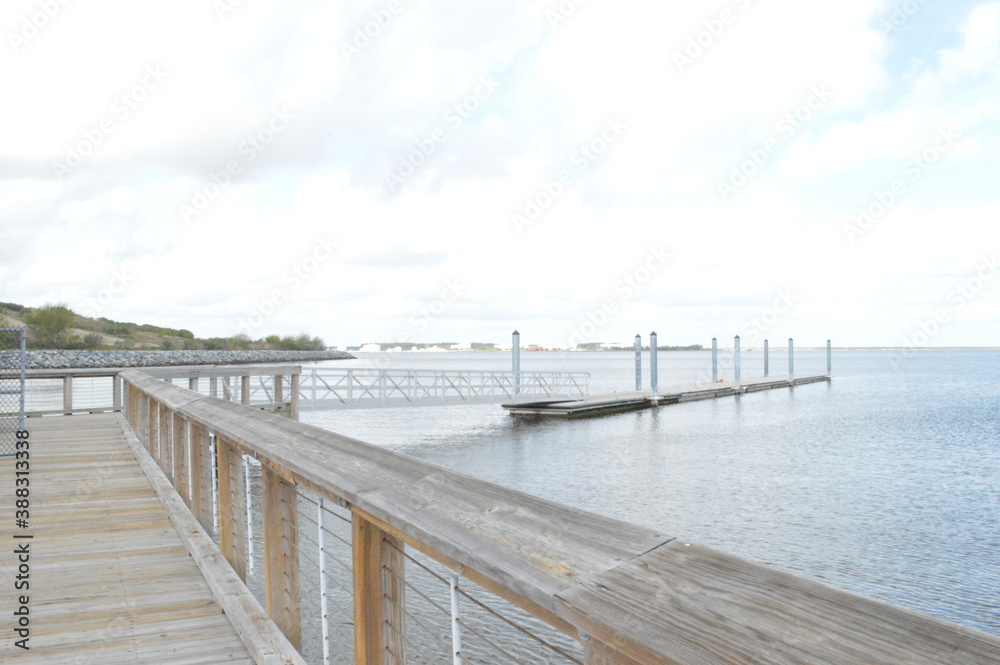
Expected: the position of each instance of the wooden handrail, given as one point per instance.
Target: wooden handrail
(629, 593)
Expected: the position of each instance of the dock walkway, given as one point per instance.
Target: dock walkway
(597, 405)
(111, 581)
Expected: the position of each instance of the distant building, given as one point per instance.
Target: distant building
(370, 348)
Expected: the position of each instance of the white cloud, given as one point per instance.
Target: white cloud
(352, 122)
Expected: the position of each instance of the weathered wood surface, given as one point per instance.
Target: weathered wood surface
(262, 638)
(638, 592)
(703, 607)
(111, 581)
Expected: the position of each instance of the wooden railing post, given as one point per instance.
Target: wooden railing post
(116, 387)
(294, 410)
(193, 383)
(378, 594)
(201, 481)
(180, 457)
(213, 386)
(68, 395)
(232, 528)
(245, 390)
(279, 390)
(281, 555)
(164, 438)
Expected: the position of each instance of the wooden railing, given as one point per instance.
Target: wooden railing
(627, 593)
(228, 382)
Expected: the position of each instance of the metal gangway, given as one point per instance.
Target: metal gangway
(323, 388)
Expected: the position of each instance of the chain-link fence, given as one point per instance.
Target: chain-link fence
(12, 359)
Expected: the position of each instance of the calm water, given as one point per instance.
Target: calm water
(885, 482)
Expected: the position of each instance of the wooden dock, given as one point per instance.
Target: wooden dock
(122, 568)
(111, 580)
(599, 405)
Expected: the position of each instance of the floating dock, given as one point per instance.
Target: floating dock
(598, 405)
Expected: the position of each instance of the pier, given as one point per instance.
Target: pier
(149, 527)
(598, 405)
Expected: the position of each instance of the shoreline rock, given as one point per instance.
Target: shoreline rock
(57, 359)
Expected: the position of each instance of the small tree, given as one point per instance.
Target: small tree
(48, 325)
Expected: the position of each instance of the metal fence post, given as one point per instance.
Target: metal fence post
(324, 607)
(638, 362)
(456, 623)
(736, 359)
(653, 367)
(715, 360)
(515, 349)
(24, 362)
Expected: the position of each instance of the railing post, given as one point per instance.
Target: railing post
(279, 390)
(231, 540)
(638, 362)
(767, 361)
(245, 390)
(248, 503)
(68, 395)
(654, 370)
(116, 389)
(281, 555)
(213, 386)
(193, 383)
(515, 351)
(324, 602)
(715, 360)
(166, 458)
(179, 450)
(736, 359)
(378, 599)
(456, 622)
(791, 357)
(201, 465)
(294, 409)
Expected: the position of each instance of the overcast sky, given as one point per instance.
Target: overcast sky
(452, 170)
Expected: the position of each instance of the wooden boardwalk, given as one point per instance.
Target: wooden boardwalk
(634, 400)
(111, 580)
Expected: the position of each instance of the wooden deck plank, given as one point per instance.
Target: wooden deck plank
(111, 579)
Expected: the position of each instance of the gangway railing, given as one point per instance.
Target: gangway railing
(334, 388)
